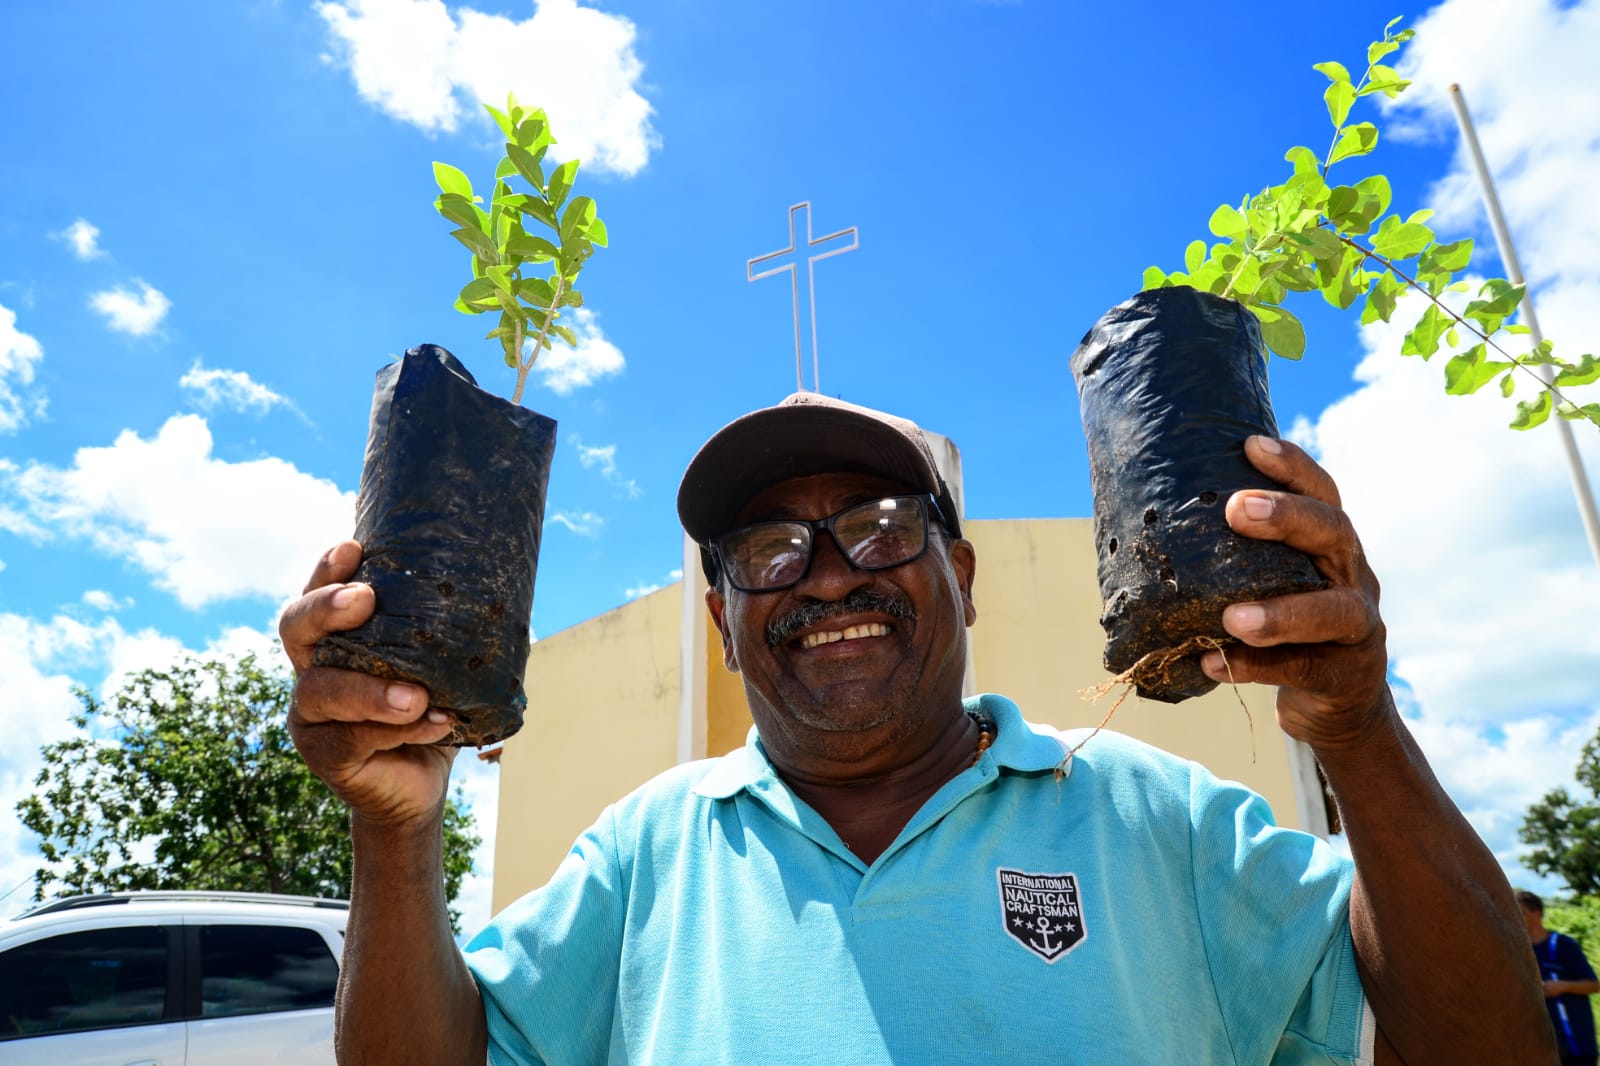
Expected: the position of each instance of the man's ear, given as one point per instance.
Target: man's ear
(718, 608)
(964, 561)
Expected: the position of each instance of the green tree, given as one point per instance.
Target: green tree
(1565, 830)
(187, 779)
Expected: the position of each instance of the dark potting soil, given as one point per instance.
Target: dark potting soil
(449, 518)
(1170, 384)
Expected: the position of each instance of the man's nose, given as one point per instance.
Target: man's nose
(832, 575)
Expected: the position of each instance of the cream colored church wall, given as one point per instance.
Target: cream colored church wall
(602, 719)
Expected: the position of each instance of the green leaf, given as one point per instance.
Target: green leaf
(1587, 370)
(1572, 412)
(1375, 196)
(1423, 339)
(1341, 201)
(1378, 49)
(452, 180)
(1304, 159)
(503, 170)
(576, 218)
(1226, 221)
(1534, 413)
(1281, 331)
(1446, 258)
(536, 208)
(1381, 299)
(534, 249)
(478, 244)
(1334, 71)
(1355, 140)
(565, 334)
(501, 119)
(1339, 96)
(1470, 371)
(1154, 278)
(1508, 385)
(572, 298)
(536, 291)
(1194, 255)
(461, 211)
(527, 165)
(561, 182)
(478, 294)
(1401, 240)
(598, 234)
(1385, 80)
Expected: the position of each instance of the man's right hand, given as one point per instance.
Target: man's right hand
(370, 739)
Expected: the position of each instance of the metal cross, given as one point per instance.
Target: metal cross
(837, 247)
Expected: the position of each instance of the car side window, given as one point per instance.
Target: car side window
(99, 979)
(259, 969)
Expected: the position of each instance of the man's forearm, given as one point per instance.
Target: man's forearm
(405, 995)
(1443, 953)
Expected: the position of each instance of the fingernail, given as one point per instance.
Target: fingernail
(1271, 445)
(1258, 507)
(1211, 663)
(438, 717)
(344, 597)
(402, 697)
(1246, 617)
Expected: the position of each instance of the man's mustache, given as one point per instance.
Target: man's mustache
(861, 601)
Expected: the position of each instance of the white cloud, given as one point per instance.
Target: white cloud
(101, 600)
(84, 237)
(230, 389)
(128, 312)
(416, 61)
(196, 523)
(605, 458)
(645, 588)
(19, 402)
(563, 369)
(1535, 119)
(584, 524)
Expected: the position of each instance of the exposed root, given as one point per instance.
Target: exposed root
(1154, 663)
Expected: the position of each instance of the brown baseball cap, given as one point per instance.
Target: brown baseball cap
(808, 433)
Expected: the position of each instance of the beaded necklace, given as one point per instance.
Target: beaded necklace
(986, 734)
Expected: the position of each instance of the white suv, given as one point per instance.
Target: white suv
(171, 979)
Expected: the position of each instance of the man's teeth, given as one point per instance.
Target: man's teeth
(871, 629)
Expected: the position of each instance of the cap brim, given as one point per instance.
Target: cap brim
(777, 443)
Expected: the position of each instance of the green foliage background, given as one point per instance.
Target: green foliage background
(194, 766)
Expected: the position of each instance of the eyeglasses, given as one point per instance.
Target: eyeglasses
(878, 534)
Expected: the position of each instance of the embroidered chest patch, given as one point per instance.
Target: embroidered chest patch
(1042, 912)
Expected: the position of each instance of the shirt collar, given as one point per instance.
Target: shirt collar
(1017, 746)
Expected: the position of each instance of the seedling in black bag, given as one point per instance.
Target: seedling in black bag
(453, 487)
(1173, 380)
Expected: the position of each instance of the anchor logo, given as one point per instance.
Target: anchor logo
(1042, 912)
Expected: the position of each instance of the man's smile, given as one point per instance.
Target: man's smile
(833, 636)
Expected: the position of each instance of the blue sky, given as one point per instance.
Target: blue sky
(218, 226)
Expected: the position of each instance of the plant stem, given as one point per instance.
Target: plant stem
(538, 344)
(1388, 265)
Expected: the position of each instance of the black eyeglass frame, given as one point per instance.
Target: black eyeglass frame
(927, 508)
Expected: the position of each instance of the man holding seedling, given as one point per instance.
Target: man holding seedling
(888, 873)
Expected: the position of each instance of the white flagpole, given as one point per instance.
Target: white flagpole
(1508, 256)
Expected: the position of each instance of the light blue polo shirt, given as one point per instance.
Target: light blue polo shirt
(1137, 911)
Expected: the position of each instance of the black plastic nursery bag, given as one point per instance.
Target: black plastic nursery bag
(449, 518)
(1170, 384)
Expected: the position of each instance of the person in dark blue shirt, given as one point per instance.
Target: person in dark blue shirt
(1569, 981)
